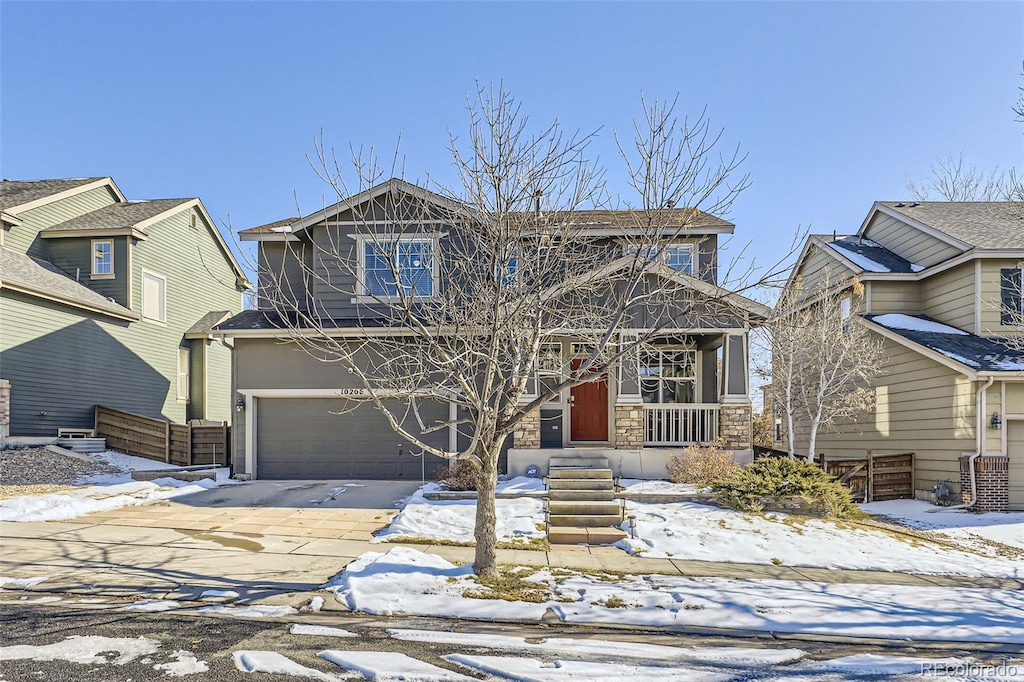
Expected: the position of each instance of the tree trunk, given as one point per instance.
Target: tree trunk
(813, 440)
(485, 561)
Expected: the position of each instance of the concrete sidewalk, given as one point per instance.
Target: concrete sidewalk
(179, 563)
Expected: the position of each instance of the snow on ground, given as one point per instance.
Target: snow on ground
(129, 463)
(7, 583)
(319, 630)
(276, 664)
(406, 581)
(529, 669)
(185, 663)
(152, 605)
(685, 530)
(215, 594)
(84, 649)
(388, 665)
(519, 519)
(639, 485)
(252, 611)
(962, 526)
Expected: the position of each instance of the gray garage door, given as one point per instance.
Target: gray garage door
(1015, 449)
(300, 438)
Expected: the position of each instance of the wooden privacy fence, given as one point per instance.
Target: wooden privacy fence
(875, 478)
(163, 441)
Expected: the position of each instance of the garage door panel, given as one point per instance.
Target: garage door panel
(323, 438)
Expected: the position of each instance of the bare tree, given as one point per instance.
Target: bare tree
(953, 179)
(824, 361)
(520, 262)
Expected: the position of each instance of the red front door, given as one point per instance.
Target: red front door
(588, 414)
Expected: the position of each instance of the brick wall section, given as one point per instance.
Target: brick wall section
(527, 434)
(992, 474)
(734, 426)
(5, 408)
(629, 426)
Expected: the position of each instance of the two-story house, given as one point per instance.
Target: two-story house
(690, 387)
(942, 287)
(106, 301)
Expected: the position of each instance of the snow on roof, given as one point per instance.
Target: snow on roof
(984, 354)
(919, 324)
(871, 256)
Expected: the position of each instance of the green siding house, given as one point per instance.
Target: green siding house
(105, 301)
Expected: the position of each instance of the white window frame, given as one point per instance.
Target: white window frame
(661, 352)
(94, 272)
(846, 312)
(364, 243)
(184, 373)
(666, 254)
(543, 372)
(163, 297)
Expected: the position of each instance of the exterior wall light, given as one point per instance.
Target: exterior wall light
(240, 403)
(997, 423)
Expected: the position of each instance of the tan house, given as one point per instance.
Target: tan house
(942, 287)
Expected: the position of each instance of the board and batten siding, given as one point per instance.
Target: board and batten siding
(921, 407)
(24, 238)
(895, 297)
(949, 297)
(908, 241)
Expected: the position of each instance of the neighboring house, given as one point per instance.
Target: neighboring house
(942, 287)
(298, 425)
(109, 301)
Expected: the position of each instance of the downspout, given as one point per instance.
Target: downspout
(978, 445)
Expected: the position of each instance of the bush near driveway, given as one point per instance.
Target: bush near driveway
(746, 489)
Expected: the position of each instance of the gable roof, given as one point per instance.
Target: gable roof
(21, 272)
(117, 216)
(978, 224)
(21, 195)
(869, 256)
(976, 354)
(282, 226)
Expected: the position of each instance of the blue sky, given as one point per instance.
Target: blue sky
(836, 104)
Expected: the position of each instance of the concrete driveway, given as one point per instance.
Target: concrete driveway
(343, 510)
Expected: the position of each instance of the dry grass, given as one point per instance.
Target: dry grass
(701, 464)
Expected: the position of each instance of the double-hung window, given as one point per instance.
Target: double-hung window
(679, 257)
(1011, 297)
(668, 375)
(404, 263)
(102, 257)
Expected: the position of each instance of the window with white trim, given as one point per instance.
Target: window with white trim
(679, 257)
(184, 358)
(404, 263)
(154, 296)
(845, 312)
(103, 257)
(550, 369)
(668, 375)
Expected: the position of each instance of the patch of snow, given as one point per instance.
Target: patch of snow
(566, 645)
(42, 600)
(88, 499)
(152, 605)
(685, 530)
(530, 670)
(875, 664)
(519, 485)
(455, 520)
(128, 463)
(914, 267)
(254, 611)
(87, 649)
(387, 665)
(215, 594)
(276, 664)
(406, 581)
(958, 524)
(7, 583)
(958, 358)
(639, 485)
(1007, 365)
(320, 630)
(859, 259)
(314, 605)
(910, 323)
(185, 663)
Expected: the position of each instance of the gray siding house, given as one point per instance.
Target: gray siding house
(109, 301)
(942, 288)
(298, 424)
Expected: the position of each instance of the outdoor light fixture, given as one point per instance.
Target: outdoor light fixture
(240, 403)
(997, 423)
(632, 525)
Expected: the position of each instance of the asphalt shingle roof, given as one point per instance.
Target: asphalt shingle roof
(14, 193)
(44, 277)
(984, 354)
(120, 215)
(870, 256)
(275, 226)
(208, 321)
(270, 319)
(982, 224)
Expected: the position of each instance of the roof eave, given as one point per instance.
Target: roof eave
(50, 296)
(42, 201)
(968, 371)
(97, 232)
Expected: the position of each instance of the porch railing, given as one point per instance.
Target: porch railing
(680, 424)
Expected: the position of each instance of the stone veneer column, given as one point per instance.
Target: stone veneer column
(5, 408)
(527, 434)
(629, 426)
(734, 426)
(992, 476)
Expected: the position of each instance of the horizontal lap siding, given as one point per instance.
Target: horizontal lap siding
(949, 297)
(23, 238)
(925, 408)
(909, 242)
(818, 268)
(895, 297)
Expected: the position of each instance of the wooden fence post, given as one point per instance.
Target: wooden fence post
(190, 456)
(871, 478)
(167, 441)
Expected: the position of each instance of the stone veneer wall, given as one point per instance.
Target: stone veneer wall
(992, 475)
(5, 408)
(734, 426)
(527, 434)
(629, 426)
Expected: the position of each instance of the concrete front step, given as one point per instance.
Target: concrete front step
(587, 507)
(569, 535)
(600, 484)
(578, 462)
(581, 495)
(587, 520)
(577, 472)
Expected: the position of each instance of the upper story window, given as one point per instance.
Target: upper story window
(405, 263)
(677, 256)
(506, 273)
(1011, 297)
(549, 369)
(668, 375)
(102, 257)
(154, 296)
(845, 312)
